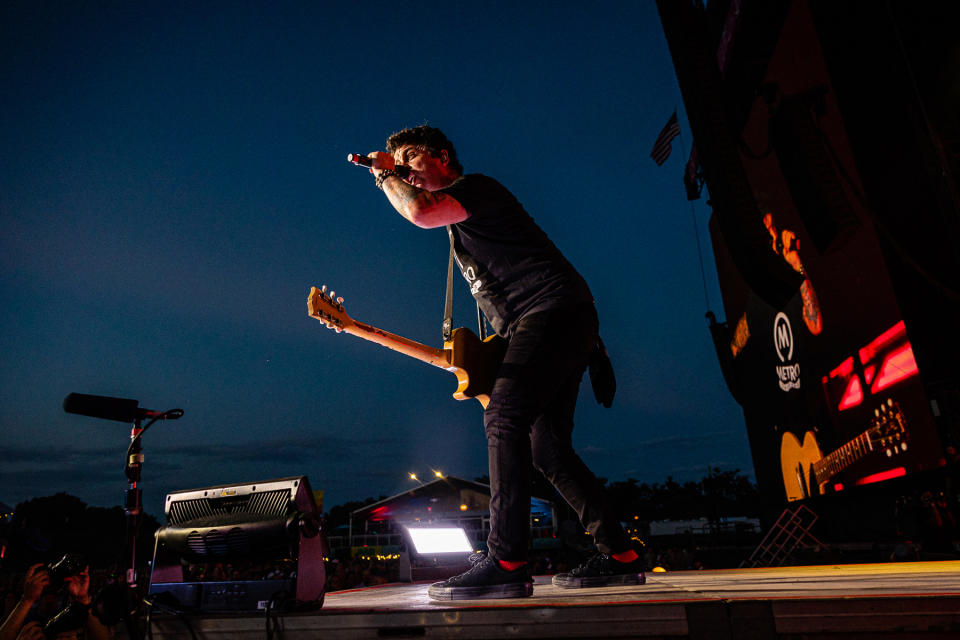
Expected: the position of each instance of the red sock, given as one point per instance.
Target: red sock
(625, 556)
(511, 565)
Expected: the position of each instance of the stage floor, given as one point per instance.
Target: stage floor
(902, 600)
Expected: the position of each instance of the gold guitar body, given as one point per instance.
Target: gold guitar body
(796, 463)
(475, 362)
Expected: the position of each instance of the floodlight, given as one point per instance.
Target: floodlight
(428, 541)
(434, 553)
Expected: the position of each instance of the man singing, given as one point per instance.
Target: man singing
(532, 296)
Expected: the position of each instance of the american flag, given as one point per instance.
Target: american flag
(661, 148)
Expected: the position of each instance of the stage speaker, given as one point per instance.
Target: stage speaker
(241, 547)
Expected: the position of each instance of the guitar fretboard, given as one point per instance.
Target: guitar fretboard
(831, 465)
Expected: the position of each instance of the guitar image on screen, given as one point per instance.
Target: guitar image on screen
(806, 471)
(474, 361)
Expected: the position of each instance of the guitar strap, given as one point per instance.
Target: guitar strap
(447, 327)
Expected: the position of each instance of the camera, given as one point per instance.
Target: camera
(70, 564)
(75, 614)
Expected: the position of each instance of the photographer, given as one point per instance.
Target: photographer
(36, 580)
(73, 621)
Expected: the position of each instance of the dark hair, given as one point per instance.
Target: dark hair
(428, 138)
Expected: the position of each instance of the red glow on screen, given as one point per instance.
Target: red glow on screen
(845, 369)
(887, 360)
(897, 366)
(883, 475)
(852, 396)
(838, 487)
(892, 334)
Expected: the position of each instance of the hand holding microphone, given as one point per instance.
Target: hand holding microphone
(379, 162)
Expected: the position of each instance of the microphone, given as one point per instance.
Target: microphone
(119, 409)
(402, 170)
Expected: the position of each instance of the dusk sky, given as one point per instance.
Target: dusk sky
(173, 181)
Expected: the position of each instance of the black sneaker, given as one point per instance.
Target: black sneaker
(601, 571)
(485, 579)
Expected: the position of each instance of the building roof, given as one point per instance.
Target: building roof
(436, 488)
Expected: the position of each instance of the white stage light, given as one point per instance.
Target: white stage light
(433, 540)
(435, 553)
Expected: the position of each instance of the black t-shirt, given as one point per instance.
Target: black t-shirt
(509, 263)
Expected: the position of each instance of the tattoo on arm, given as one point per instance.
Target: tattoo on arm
(400, 193)
(408, 200)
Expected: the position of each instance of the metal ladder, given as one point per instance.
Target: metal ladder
(790, 531)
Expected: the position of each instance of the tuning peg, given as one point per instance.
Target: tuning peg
(340, 300)
(323, 288)
(332, 293)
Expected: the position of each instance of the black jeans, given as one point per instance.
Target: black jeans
(530, 420)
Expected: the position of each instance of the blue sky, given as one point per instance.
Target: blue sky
(173, 180)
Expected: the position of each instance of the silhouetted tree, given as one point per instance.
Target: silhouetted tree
(45, 528)
(719, 494)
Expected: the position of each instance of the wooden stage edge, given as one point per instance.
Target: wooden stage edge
(875, 601)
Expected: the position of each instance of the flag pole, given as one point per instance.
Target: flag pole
(696, 232)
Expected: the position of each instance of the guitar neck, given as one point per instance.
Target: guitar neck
(831, 465)
(430, 355)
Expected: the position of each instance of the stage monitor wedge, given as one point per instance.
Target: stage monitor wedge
(241, 547)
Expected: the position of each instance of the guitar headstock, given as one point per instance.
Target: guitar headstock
(328, 309)
(888, 428)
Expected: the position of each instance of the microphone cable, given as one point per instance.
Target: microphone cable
(171, 414)
(179, 613)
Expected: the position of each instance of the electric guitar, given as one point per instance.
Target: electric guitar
(475, 362)
(806, 471)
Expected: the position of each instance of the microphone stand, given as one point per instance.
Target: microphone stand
(133, 508)
(133, 501)
(124, 597)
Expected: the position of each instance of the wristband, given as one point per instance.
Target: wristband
(386, 173)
